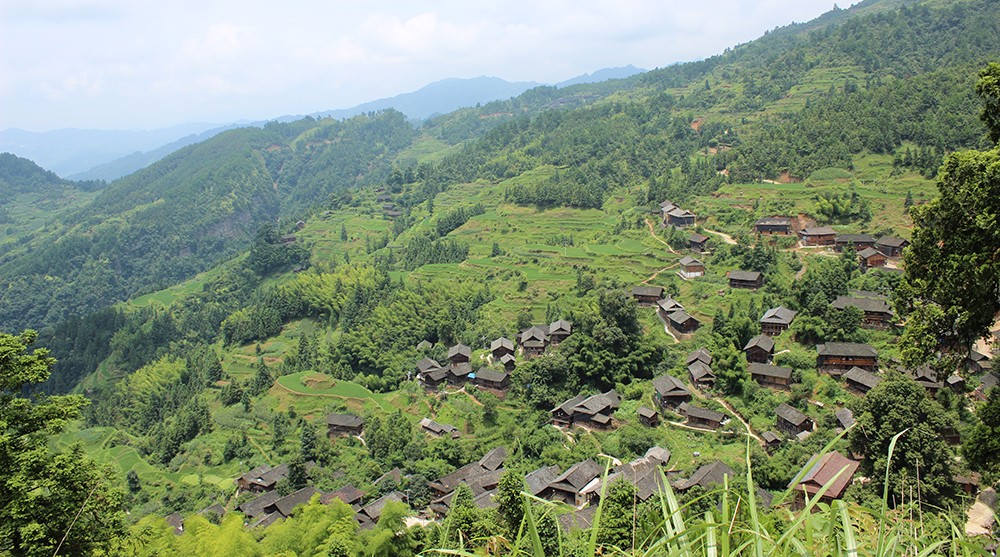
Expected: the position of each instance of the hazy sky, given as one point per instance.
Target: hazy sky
(141, 64)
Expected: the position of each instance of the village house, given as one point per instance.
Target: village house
(667, 306)
(262, 478)
(534, 340)
(647, 295)
(926, 378)
(977, 362)
(821, 236)
(968, 483)
(480, 476)
(861, 381)
(669, 392)
(831, 467)
(665, 208)
(859, 241)
(836, 358)
(643, 473)
(768, 226)
(682, 323)
(648, 416)
(459, 354)
(700, 355)
(891, 246)
(254, 508)
(709, 476)
(343, 425)
(870, 258)
(567, 486)
(986, 383)
(776, 320)
(746, 279)
(691, 267)
(458, 374)
(559, 331)
(760, 349)
(955, 382)
(369, 514)
(771, 440)
(877, 314)
(500, 347)
(432, 379)
(491, 379)
(592, 411)
(701, 417)
(285, 507)
(845, 418)
(288, 239)
(698, 242)
(539, 479)
(680, 218)
(701, 374)
(508, 362)
(439, 430)
(770, 376)
(348, 494)
(791, 421)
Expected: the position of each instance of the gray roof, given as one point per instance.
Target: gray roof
(751, 276)
(791, 415)
(770, 437)
(862, 377)
(772, 221)
(459, 350)
(867, 305)
(779, 315)
(697, 238)
(668, 385)
(699, 370)
(491, 375)
(891, 241)
(646, 412)
(645, 290)
(699, 354)
(348, 494)
(436, 427)
(560, 326)
(845, 417)
(578, 476)
(539, 479)
(869, 252)
(256, 506)
(680, 317)
(427, 364)
(373, 510)
(768, 370)
(818, 231)
(678, 212)
(501, 342)
(763, 342)
(692, 411)
(534, 333)
(493, 459)
(855, 239)
(688, 260)
(595, 404)
(854, 349)
(707, 476)
(286, 505)
(344, 420)
(669, 304)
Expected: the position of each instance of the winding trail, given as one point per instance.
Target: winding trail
(657, 273)
(657, 238)
(733, 411)
(725, 237)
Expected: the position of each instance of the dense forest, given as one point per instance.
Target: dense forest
(205, 316)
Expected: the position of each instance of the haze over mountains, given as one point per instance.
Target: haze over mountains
(109, 154)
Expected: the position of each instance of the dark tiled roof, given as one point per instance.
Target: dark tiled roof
(891, 241)
(868, 305)
(648, 291)
(539, 479)
(680, 317)
(344, 420)
(707, 476)
(647, 413)
(692, 411)
(779, 315)
(770, 437)
(435, 427)
(763, 342)
(536, 333)
(494, 459)
(869, 252)
(791, 415)
(427, 364)
(773, 221)
(578, 476)
(855, 239)
(862, 377)
(459, 350)
(348, 494)
(491, 375)
(668, 385)
(750, 276)
(501, 342)
(699, 354)
(818, 231)
(700, 370)
(669, 305)
(845, 417)
(767, 370)
(697, 238)
(256, 506)
(687, 260)
(373, 510)
(560, 326)
(853, 349)
(286, 505)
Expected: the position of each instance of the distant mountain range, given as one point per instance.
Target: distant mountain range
(110, 154)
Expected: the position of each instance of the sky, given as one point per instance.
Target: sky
(148, 64)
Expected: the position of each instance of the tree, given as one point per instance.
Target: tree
(510, 502)
(951, 264)
(922, 459)
(982, 446)
(52, 501)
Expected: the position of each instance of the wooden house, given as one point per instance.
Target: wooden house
(670, 392)
(691, 267)
(348, 494)
(926, 378)
(877, 314)
(459, 354)
(776, 320)
(438, 430)
(369, 514)
(836, 358)
(427, 364)
(968, 483)
(667, 306)
(254, 508)
(665, 208)
(534, 341)
(458, 374)
(682, 323)
(709, 476)
(760, 349)
(343, 425)
(701, 417)
(262, 478)
(861, 381)
(592, 411)
(818, 236)
(845, 418)
(491, 379)
(769, 226)
(501, 346)
(791, 421)
(891, 246)
(539, 479)
(559, 331)
(508, 362)
(680, 218)
(859, 241)
(832, 468)
(648, 416)
(701, 355)
(870, 258)
(977, 362)
(771, 440)
(698, 242)
(987, 382)
(770, 376)
(701, 374)
(433, 378)
(746, 279)
(647, 295)
(568, 485)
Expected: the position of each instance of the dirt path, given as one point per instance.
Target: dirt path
(981, 520)
(666, 328)
(658, 239)
(657, 273)
(802, 271)
(725, 237)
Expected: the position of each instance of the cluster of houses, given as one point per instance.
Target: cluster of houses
(672, 214)
(872, 252)
(389, 208)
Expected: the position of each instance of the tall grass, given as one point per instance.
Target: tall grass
(736, 528)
